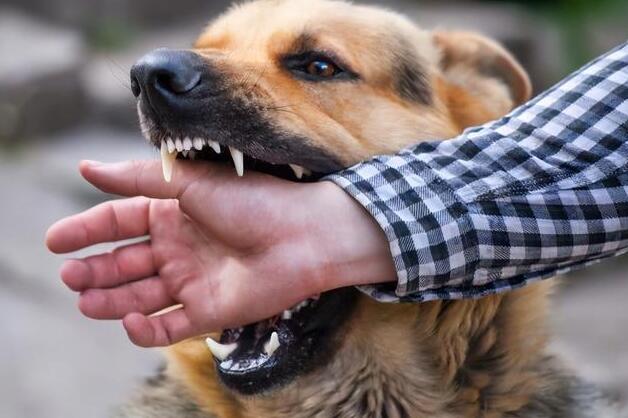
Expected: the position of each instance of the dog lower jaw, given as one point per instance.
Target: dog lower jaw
(269, 354)
(223, 351)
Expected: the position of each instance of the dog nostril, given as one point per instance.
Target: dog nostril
(164, 76)
(135, 87)
(179, 82)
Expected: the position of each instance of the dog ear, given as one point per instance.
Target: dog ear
(483, 81)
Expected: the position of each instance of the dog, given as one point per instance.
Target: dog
(302, 88)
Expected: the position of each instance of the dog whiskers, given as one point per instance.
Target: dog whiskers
(118, 77)
(282, 109)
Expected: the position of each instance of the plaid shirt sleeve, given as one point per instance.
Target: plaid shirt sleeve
(538, 193)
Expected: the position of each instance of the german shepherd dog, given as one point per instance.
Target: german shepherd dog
(302, 88)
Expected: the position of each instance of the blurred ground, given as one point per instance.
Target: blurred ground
(54, 363)
(72, 101)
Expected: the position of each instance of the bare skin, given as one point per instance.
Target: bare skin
(230, 250)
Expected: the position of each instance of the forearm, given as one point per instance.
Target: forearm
(510, 202)
(349, 246)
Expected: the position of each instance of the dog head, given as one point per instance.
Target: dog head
(299, 89)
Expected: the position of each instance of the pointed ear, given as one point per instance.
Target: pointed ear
(482, 79)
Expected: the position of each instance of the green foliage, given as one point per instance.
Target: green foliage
(110, 35)
(572, 18)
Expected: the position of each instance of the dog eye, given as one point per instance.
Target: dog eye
(322, 69)
(314, 66)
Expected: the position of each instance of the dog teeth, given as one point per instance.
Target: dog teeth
(272, 345)
(215, 146)
(302, 305)
(199, 143)
(289, 313)
(238, 160)
(187, 144)
(220, 351)
(298, 170)
(171, 147)
(227, 365)
(167, 161)
(248, 364)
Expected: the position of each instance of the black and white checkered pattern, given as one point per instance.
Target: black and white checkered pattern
(538, 193)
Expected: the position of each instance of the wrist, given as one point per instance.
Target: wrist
(353, 249)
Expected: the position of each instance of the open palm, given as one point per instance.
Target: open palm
(217, 245)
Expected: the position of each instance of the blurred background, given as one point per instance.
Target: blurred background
(64, 96)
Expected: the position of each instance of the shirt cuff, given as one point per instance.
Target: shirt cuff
(428, 228)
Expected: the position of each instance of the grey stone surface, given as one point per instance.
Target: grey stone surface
(39, 70)
(87, 14)
(43, 49)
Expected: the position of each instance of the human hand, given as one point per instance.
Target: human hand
(230, 250)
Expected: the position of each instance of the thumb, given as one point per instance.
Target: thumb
(144, 178)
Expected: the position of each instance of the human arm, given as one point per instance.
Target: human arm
(539, 192)
(230, 250)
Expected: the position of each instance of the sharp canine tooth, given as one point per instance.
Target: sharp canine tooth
(171, 147)
(178, 144)
(220, 351)
(167, 161)
(185, 153)
(215, 146)
(298, 170)
(198, 143)
(238, 160)
(272, 345)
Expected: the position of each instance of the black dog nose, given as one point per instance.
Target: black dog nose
(166, 73)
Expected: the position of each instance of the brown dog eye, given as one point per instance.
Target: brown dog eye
(322, 69)
(315, 66)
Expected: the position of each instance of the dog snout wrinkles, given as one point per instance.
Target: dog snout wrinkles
(166, 77)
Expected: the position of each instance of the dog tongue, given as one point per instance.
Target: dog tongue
(167, 161)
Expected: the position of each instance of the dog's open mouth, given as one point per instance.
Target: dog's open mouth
(208, 150)
(261, 345)
(270, 353)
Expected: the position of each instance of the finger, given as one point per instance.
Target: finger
(159, 331)
(110, 221)
(145, 296)
(144, 178)
(122, 265)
